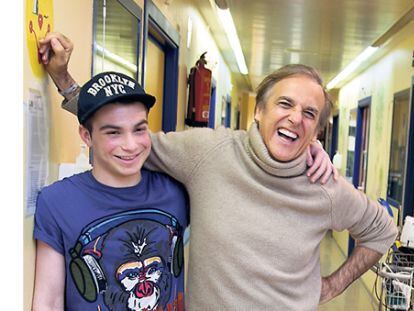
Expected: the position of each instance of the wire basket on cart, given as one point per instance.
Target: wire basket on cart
(397, 280)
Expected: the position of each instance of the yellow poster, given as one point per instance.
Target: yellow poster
(39, 21)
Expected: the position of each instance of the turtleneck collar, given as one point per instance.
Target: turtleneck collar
(260, 155)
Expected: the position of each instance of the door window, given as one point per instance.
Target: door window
(116, 37)
(398, 151)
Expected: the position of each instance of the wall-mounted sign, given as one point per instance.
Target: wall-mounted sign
(37, 147)
(39, 21)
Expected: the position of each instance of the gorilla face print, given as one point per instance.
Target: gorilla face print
(140, 280)
(129, 261)
(135, 259)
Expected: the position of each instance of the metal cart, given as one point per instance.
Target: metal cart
(396, 274)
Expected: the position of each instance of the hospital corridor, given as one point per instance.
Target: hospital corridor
(226, 155)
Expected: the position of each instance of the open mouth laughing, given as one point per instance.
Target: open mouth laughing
(286, 134)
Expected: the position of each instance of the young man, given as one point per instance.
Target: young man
(111, 238)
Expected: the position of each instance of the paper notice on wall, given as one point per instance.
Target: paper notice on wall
(37, 147)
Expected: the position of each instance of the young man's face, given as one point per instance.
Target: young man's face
(120, 142)
(288, 122)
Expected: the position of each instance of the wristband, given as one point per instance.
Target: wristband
(69, 90)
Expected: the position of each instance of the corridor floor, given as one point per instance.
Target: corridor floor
(356, 297)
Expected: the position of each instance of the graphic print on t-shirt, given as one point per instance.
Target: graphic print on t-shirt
(130, 258)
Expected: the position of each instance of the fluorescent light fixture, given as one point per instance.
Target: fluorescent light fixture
(115, 58)
(367, 53)
(189, 31)
(231, 33)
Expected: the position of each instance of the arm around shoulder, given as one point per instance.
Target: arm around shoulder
(49, 290)
(179, 154)
(71, 104)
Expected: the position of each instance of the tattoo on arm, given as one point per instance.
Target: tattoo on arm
(63, 83)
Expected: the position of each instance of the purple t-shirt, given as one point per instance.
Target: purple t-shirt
(122, 246)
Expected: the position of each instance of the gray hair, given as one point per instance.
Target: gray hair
(284, 72)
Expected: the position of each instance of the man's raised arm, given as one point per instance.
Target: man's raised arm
(55, 50)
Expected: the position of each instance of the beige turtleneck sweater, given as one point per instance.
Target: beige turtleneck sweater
(256, 224)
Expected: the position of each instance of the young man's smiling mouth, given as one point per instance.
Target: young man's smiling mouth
(127, 158)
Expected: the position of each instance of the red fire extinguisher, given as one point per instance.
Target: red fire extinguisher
(199, 93)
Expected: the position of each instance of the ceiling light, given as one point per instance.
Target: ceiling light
(352, 66)
(231, 33)
(189, 31)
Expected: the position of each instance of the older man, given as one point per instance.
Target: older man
(257, 222)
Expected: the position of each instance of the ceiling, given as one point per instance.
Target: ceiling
(326, 34)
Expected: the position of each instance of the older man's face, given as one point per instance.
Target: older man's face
(289, 120)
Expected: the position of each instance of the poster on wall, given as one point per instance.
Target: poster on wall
(37, 148)
(39, 21)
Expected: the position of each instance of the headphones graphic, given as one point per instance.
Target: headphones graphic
(88, 275)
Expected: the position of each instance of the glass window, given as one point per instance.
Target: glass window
(363, 160)
(116, 38)
(351, 145)
(398, 147)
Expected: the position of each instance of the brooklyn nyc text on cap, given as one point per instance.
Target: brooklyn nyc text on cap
(110, 87)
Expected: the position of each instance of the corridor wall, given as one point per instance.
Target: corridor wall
(64, 144)
(391, 72)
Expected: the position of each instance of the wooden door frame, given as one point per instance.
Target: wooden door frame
(334, 140)
(362, 104)
(408, 196)
(160, 29)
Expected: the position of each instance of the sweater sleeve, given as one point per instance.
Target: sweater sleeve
(71, 105)
(175, 153)
(366, 220)
(179, 154)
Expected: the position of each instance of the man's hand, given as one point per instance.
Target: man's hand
(328, 291)
(358, 263)
(55, 50)
(320, 164)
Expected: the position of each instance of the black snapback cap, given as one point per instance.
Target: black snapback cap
(109, 87)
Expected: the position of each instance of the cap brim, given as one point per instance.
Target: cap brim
(146, 99)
